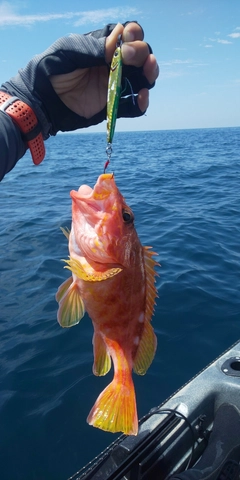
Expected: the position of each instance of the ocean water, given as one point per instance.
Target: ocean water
(184, 189)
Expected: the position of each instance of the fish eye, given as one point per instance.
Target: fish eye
(127, 216)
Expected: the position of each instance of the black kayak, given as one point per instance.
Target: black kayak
(194, 434)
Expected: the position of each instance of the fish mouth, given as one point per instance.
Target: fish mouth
(84, 196)
(85, 190)
(92, 212)
(95, 197)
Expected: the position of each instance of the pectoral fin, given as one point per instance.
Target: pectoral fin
(91, 276)
(63, 288)
(102, 359)
(71, 307)
(65, 232)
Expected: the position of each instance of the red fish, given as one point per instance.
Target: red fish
(113, 280)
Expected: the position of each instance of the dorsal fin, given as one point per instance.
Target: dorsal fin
(151, 291)
(148, 343)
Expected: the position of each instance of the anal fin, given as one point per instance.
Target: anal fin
(146, 350)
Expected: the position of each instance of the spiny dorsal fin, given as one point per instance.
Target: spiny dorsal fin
(151, 291)
(148, 343)
(76, 267)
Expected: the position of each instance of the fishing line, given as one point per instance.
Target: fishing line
(107, 452)
(109, 153)
(106, 165)
(127, 82)
(168, 411)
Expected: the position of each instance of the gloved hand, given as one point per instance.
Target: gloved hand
(66, 85)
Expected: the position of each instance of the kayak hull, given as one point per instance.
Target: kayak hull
(174, 435)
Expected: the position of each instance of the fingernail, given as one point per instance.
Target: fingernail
(127, 52)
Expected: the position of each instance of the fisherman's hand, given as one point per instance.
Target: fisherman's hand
(84, 90)
(67, 84)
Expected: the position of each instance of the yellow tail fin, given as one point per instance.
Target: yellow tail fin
(115, 409)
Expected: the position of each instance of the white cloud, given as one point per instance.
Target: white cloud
(208, 46)
(10, 17)
(181, 62)
(219, 40)
(197, 12)
(195, 65)
(169, 74)
(224, 42)
(102, 16)
(180, 67)
(174, 62)
(234, 35)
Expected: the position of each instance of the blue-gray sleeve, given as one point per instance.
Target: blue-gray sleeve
(12, 146)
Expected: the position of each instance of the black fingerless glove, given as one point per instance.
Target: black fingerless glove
(32, 84)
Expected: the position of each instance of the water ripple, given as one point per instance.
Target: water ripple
(183, 187)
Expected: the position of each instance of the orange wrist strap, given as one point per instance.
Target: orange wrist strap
(26, 120)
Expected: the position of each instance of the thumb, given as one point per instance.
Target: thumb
(111, 41)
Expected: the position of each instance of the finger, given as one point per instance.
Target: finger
(135, 53)
(133, 31)
(129, 109)
(111, 41)
(143, 99)
(140, 77)
(134, 106)
(151, 68)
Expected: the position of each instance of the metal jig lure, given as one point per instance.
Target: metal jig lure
(114, 92)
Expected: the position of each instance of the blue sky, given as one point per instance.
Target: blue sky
(196, 42)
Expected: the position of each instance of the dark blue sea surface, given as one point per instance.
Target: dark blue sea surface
(184, 189)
